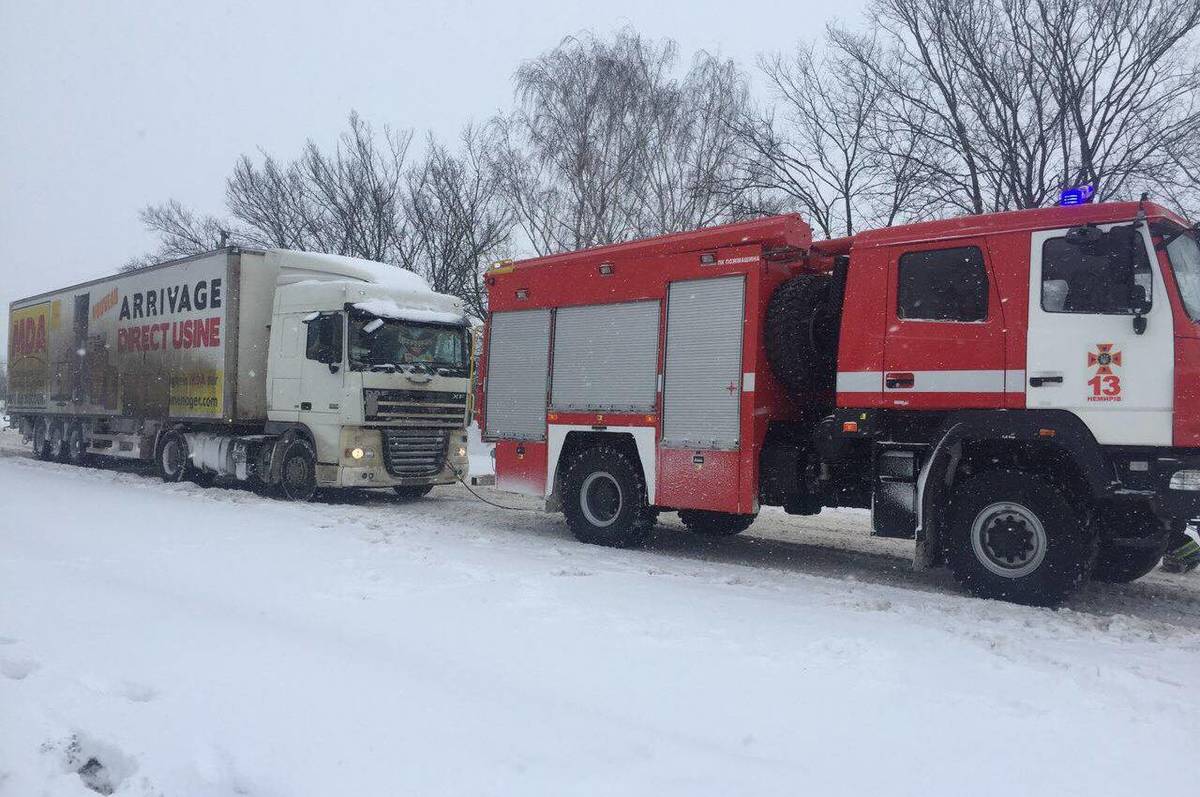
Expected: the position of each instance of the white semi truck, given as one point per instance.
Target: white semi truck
(294, 370)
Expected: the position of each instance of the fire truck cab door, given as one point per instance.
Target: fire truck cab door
(1083, 353)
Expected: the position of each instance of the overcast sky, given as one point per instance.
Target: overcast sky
(108, 106)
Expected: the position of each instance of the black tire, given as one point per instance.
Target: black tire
(1122, 563)
(604, 498)
(57, 440)
(715, 524)
(298, 472)
(802, 333)
(172, 457)
(1014, 537)
(77, 447)
(412, 493)
(40, 440)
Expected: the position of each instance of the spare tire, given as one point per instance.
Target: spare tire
(801, 334)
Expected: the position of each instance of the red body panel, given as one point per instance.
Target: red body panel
(521, 466)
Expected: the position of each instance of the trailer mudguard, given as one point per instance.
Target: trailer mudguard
(1056, 429)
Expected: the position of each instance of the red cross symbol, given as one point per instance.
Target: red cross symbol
(1104, 357)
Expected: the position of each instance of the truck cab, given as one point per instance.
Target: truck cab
(377, 376)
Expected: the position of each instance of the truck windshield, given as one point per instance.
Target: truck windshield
(385, 344)
(1184, 252)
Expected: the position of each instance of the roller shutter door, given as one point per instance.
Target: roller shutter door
(518, 367)
(703, 375)
(605, 357)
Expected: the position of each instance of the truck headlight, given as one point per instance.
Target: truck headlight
(1185, 480)
(360, 446)
(357, 453)
(462, 451)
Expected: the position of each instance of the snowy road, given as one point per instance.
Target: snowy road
(165, 639)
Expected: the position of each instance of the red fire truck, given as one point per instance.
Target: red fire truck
(1015, 391)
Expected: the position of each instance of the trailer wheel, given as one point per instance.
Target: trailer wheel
(715, 524)
(41, 443)
(298, 474)
(801, 334)
(412, 493)
(1120, 564)
(604, 499)
(172, 457)
(76, 446)
(1013, 537)
(58, 443)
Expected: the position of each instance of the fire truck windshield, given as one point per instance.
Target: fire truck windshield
(386, 344)
(1184, 252)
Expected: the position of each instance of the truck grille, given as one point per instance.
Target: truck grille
(414, 452)
(433, 409)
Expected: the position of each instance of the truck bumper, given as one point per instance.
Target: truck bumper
(372, 469)
(1179, 487)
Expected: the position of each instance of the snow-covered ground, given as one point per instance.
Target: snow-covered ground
(169, 640)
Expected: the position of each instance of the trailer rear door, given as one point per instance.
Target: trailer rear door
(517, 373)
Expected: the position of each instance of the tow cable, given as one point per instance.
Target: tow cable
(458, 474)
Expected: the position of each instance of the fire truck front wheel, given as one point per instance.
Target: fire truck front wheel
(604, 499)
(715, 524)
(1013, 537)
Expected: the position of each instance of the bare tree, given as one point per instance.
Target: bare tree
(459, 223)
(607, 144)
(1013, 99)
(348, 201)
(180, 231)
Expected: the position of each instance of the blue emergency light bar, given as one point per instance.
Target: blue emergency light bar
(1079, 195)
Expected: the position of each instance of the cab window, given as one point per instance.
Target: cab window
(324, 338)
(943, 285)
(1089, 271)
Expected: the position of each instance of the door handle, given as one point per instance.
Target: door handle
(897, 380)
(1038, 381)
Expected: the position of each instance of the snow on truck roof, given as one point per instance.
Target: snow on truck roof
(396, 293)
(354, 268)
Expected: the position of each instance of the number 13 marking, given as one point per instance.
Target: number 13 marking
(1107, 385)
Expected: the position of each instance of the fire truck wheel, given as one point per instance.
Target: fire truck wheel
(41, 443)
(172, 457)
(1013, 537)
(604, 499)
(715, 524)
(58, 443)
(412, 493)
(801, 334)
(1120, 564)
(298, 475)
(76, 446)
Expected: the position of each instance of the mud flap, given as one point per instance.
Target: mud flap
(932, 491)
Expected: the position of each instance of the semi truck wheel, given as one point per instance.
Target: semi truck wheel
(172, 457)
(412, 493)
(298, 472)
(604, 499)
(801, 334)
(76, 446)
(715, 524)
(1015, 538)
(41, 442)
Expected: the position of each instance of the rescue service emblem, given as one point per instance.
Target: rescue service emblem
(1105, 383)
